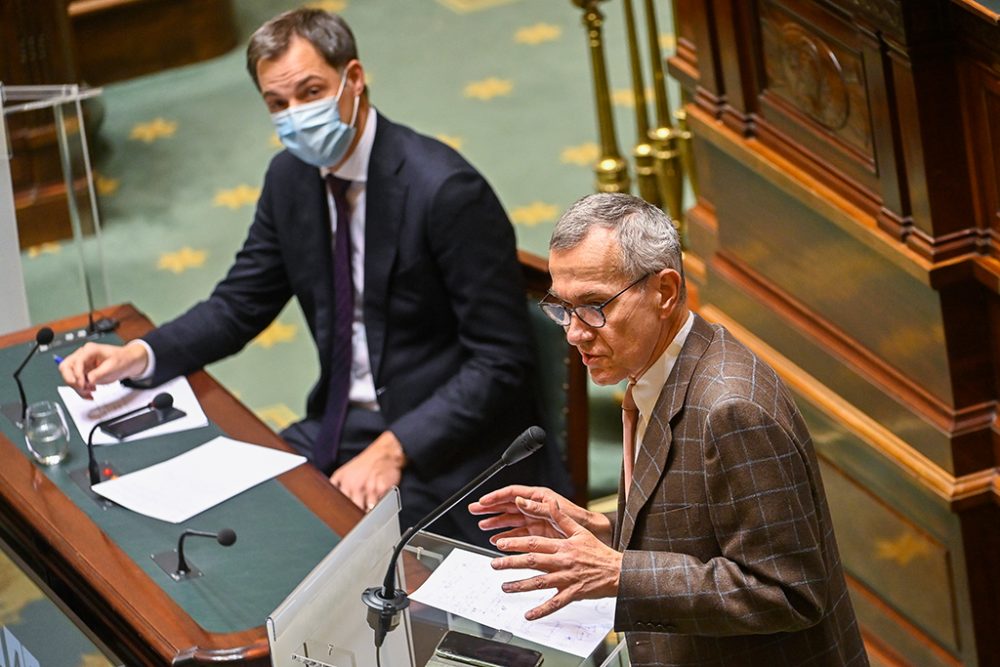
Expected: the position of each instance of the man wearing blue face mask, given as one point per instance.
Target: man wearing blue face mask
(404, 264)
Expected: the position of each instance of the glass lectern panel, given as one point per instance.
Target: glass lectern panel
(323, 622)
(428, 625)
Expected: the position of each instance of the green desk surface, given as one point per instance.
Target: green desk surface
(279, 540)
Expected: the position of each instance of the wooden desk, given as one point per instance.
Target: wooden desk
(88, 571)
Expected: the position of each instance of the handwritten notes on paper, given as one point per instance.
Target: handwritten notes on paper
(465, 584)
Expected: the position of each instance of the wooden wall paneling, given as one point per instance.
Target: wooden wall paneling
(837, 278)
(982, 544)
(890, 166)
(815, 102)
(971, 370)
(696, 60)
(738, 62)
(866, 257)
(983, 146)
(932, 140)
(979, 69)
(121, 39)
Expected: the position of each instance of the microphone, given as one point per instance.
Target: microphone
(386, 602)
(176, 565)
(44, 336)
(226, 537)
(161, 402)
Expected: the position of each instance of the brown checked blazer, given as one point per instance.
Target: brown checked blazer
(729, 552)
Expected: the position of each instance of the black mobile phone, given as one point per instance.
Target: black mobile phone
(462, 649)
(142, 422)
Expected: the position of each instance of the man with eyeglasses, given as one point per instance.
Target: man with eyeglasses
(722, 550)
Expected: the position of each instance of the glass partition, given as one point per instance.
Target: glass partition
(48, 201)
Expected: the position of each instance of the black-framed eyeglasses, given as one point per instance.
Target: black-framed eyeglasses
(590, 314)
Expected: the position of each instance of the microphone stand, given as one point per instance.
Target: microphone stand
(17, 412)
(386, 602)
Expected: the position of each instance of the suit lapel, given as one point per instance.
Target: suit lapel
(658, 438)
(385, 198)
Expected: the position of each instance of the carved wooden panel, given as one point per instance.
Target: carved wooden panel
(817, 76)
(814, 97)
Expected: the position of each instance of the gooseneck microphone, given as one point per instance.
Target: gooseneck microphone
(43, 337)
(386, 602)
(161, 402)
(226, 537)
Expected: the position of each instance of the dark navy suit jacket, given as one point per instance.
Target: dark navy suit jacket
(444, 308)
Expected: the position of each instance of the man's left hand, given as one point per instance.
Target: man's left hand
(579, 565)
(369, 475)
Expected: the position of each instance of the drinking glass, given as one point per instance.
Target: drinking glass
(46, 433)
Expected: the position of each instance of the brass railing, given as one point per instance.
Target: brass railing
(662, 152)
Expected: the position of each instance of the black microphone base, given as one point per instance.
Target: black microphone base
(82, 478)
(104, 325)
(12, 411)
(383, 613)
(167, 560)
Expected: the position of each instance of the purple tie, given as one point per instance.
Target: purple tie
(325, 448)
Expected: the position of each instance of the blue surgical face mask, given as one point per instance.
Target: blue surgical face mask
(314, 132)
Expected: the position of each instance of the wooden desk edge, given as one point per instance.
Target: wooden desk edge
(95, 575)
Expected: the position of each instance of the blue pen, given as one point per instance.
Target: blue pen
(56, 358)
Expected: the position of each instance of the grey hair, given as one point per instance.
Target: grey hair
(648, 242)
(329, 33)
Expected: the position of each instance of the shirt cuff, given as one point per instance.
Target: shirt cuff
(150, 360)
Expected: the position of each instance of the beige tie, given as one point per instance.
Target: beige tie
(630, 416)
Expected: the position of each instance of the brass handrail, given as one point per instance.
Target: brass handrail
(611, 170)
(662, 154)
(642, 153)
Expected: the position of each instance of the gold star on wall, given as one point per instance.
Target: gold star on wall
(583, 155)
(451, 140)
(534, 213)
(182, 260)
(234, 198)
(105, 186)
(333, 6)
(276, 333)
(903, 549)
(277, 416)
(487, 89)
(157, 128)
(538, 33)
(667, 41)
(49, 248)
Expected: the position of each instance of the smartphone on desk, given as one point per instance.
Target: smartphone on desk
(142, 422)
(460, 649)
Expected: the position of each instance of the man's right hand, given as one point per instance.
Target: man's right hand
(95, 364)
(514, 508)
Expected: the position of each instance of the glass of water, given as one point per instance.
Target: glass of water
(46, 433)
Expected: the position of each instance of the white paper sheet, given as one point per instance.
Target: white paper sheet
(191, 483)
(465, 584)
(115, 399)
